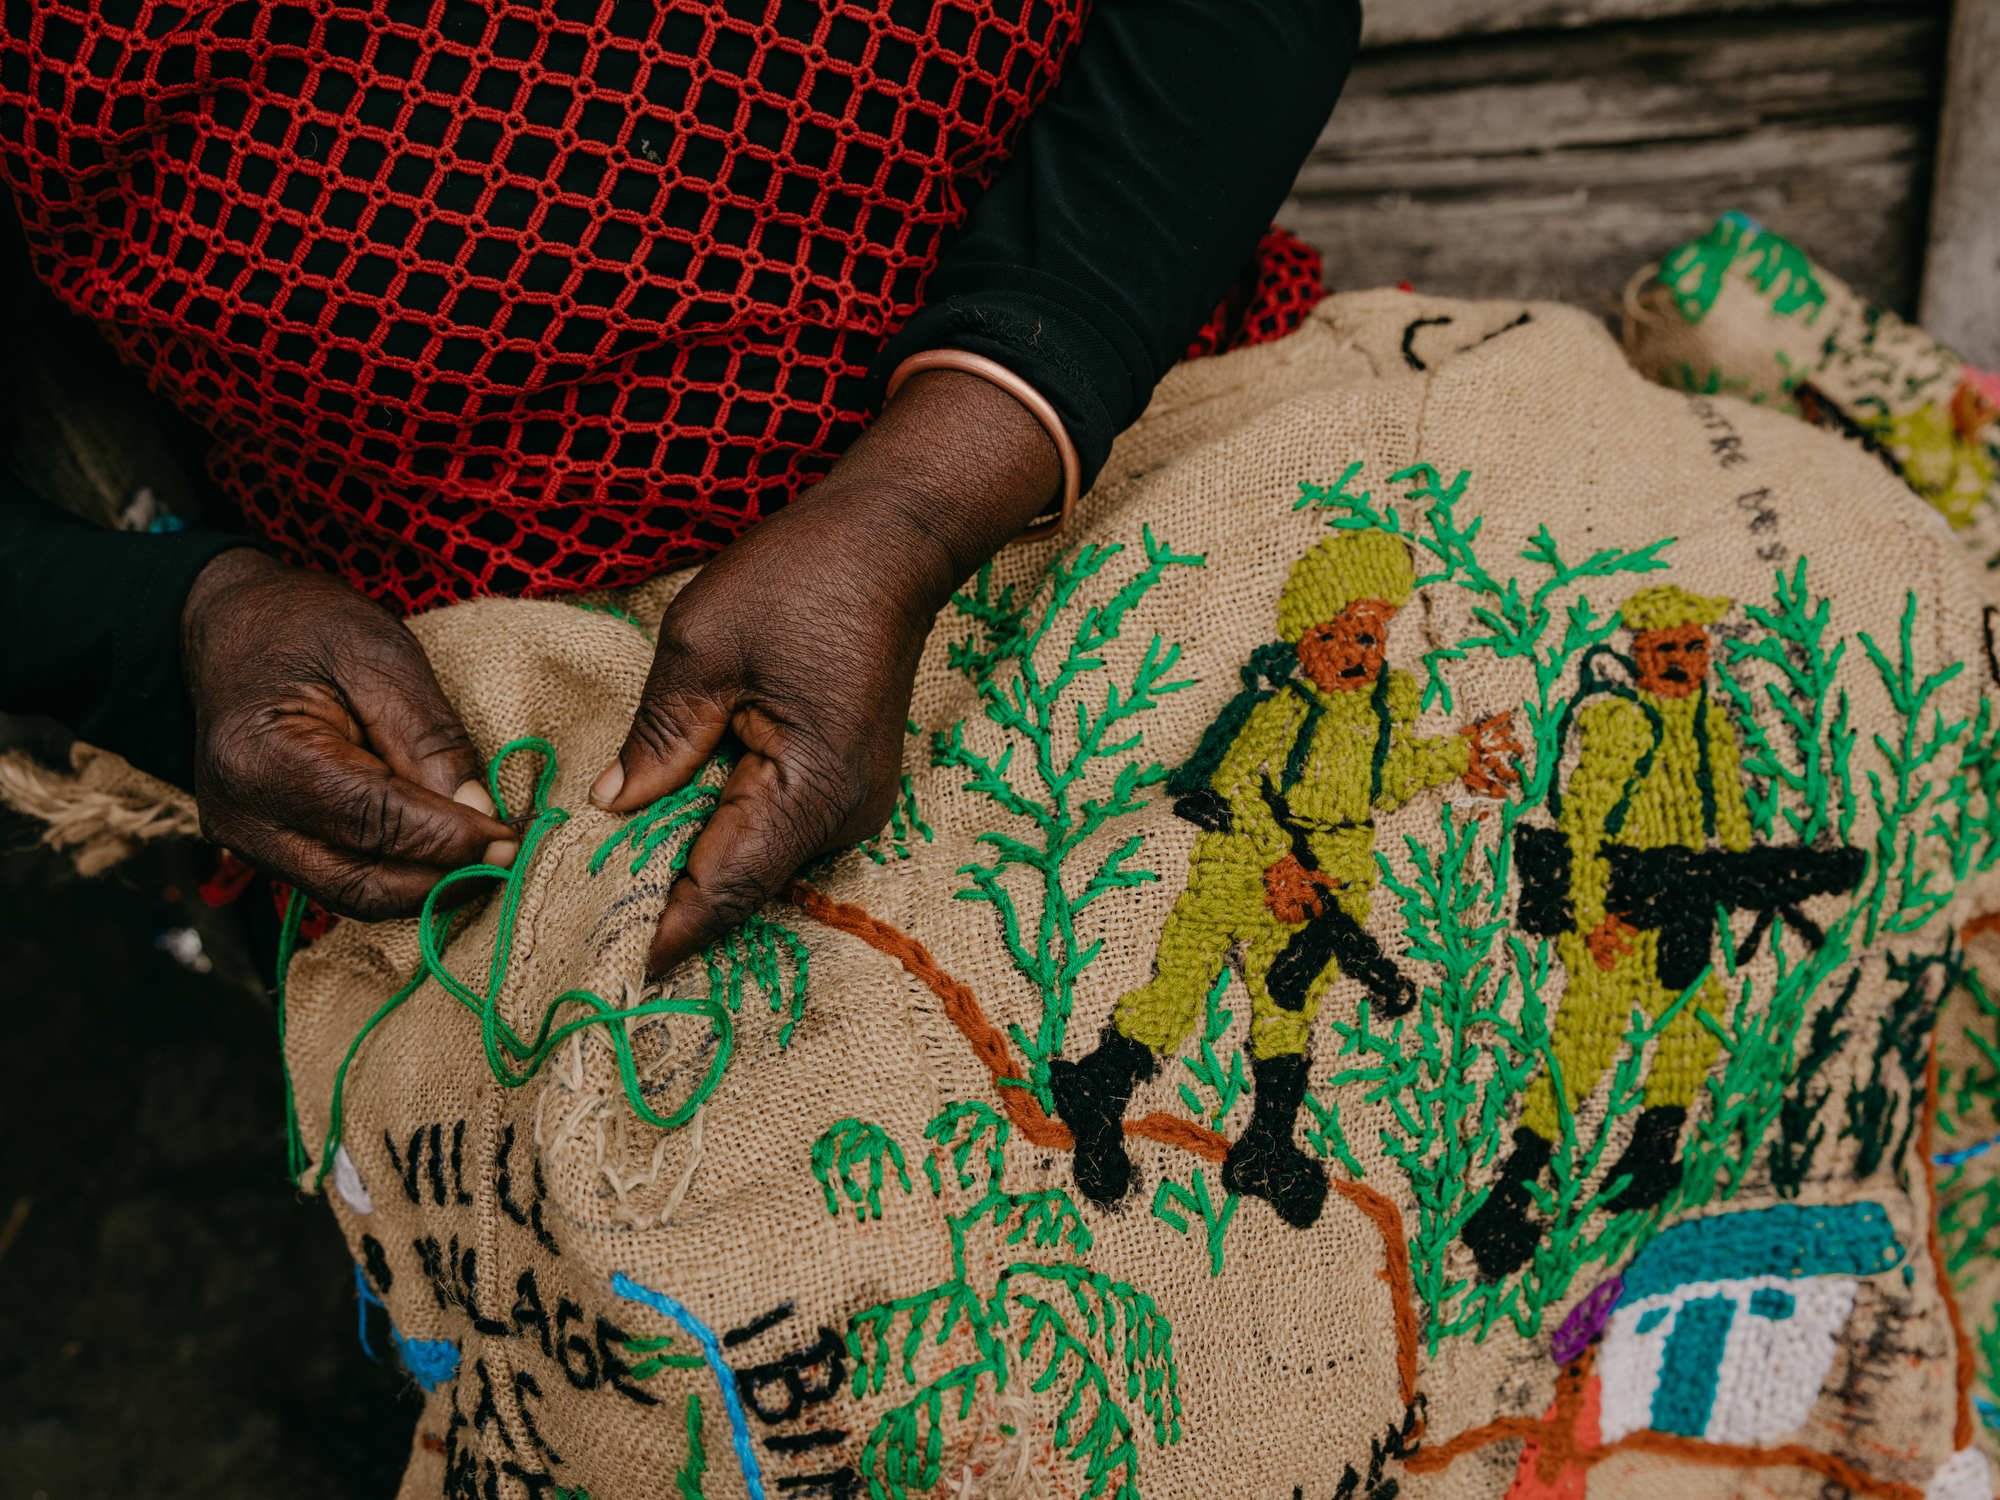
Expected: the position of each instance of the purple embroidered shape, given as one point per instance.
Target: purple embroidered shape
(1586, 1321)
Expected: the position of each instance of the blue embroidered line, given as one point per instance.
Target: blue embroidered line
(725, 1378)
(1965, 1154)
(431, 1362)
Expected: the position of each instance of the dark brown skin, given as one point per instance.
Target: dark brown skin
(327, 754)
(332, 760)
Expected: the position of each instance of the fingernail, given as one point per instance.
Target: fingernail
(502, 852)
(607, 787)
(476, 797)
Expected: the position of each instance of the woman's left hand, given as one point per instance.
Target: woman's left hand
(801, 639)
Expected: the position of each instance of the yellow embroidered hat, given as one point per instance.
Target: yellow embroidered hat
(1348, 565)
(1666, 606)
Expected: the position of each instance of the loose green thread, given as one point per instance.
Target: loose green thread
(513, 1059)
(1179, 1207)
(1055, 1324)
(1060, 795)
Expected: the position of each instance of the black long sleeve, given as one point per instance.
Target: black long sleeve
(1135, 194)
(91, 621)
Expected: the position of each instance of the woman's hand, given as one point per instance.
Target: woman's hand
(326, 753)
(801, 640)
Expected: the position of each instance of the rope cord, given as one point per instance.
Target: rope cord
(512, 1059)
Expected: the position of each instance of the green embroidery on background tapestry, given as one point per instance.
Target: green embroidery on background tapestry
(1445, 1080)
(1801, 1130)
(1054, 1324)
(1892, 1090)
(1798, 766)
(1050, 777)
(1967, 1143)
(1694, 272)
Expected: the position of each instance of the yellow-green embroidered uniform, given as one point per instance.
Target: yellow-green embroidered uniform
(1318, 751)
(1666, 809)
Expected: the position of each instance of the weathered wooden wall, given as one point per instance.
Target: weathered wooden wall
(1471, 157)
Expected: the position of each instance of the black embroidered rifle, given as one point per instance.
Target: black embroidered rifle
(1677, 892)
(1329, 934)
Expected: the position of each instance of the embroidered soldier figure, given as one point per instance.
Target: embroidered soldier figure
(1284, 787)
(1657, 772)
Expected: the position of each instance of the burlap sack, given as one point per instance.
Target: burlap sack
(1742, 311)
(803, 1221)
(1965, 1156)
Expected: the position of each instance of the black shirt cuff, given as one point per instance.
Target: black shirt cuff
(94, 622)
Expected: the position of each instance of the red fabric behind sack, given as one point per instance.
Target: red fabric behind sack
(479, 300)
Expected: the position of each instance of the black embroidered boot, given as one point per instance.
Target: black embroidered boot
(1502, 1232)
(1266, 1162)
(1091, 1096)
(1650, 1159)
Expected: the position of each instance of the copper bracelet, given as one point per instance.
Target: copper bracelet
(994, 373)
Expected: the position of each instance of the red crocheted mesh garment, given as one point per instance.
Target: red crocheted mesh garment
(489, 301)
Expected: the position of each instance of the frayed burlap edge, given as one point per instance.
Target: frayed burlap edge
(99, 811)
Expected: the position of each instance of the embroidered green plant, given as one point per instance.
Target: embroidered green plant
(1182, 1207)
(1693, 273)
(1796, 754)
(1937, 794)
(1891, 1091)
(1209, 1091)
(1213, 1086)
(761, 954)
(1759, 1044)
(1054, 1324)
(1448, 1075)
(695, 1467)
(1801, 1131)
(1072, 763)
(906, 821)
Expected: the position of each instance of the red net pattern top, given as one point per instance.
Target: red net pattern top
(481, 300)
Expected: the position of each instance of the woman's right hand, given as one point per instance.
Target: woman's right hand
(326, 753)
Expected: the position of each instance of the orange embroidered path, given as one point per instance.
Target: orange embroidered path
(1024, 1110)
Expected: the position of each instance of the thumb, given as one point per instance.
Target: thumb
(682, 717)
(411, 726)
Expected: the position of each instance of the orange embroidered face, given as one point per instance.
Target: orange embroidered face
(1347, 652)
(1672, 663)
(1972, 410)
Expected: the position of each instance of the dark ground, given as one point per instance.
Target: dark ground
(174, 1319)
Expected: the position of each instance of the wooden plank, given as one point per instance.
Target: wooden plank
(1556, 165)
(1388, 23)
(1961, 302)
